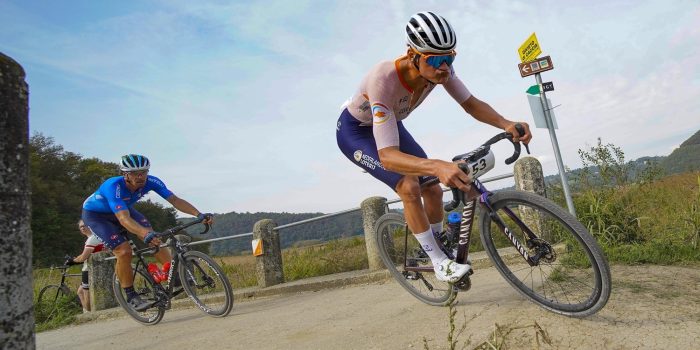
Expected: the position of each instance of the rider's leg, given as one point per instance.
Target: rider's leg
(432, 202)
(123, 267)
(84, 295)
(163, 256)
(409, 191)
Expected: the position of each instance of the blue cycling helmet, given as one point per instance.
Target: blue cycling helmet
(134, 162)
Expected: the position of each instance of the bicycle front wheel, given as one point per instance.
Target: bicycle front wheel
(206, 284)
(571, 277)
(399, 250)
(147, 291)
(52, 295)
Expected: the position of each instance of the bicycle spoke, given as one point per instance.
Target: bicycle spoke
(399, 251)
(566, 276)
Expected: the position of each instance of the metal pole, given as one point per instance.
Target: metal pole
(555, 145)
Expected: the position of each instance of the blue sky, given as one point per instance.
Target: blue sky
(236, 102)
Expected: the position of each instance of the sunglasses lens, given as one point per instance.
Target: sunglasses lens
(436, 61)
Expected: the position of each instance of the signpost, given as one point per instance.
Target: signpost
(535, 66)
(529, 65)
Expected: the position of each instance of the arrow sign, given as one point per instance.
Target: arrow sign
(533, 90)
(535, 66)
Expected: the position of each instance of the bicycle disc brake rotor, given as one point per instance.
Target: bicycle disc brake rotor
(542, 249)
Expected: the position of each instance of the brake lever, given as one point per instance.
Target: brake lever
(521, 131)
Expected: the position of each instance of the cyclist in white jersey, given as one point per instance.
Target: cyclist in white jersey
(370, 131)
(92, 245)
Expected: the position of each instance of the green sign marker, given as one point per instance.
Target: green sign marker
(533, 90)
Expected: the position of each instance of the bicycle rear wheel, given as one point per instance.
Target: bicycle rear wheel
(398, 249)
(147, 291)
(572, 276)
(206, 284)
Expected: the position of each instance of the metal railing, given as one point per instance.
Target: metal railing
(326, 216)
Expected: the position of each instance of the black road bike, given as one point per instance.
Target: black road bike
(197, 274)
(51, 294)
(538, 247)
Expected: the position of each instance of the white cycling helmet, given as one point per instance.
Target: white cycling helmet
(134, 162)
(427, 32)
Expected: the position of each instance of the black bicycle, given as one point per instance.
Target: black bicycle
(199, 276)
(538, 247)
(51, 294)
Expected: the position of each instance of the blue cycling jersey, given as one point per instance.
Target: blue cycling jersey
(114, 196)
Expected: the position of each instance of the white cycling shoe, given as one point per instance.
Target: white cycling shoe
(449, 271)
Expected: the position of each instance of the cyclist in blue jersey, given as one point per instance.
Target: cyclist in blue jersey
(108, 212)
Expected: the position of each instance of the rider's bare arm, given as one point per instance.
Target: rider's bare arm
(131, 225)
(84, 255)
(185, 207)
(483, 112)
(449, 174)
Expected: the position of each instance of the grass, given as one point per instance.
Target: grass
(502, 337)
(347, 254)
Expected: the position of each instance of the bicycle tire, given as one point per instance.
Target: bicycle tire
(51, 293)
(576, 255)
(202, 286)
(417, 284)
(146, 290)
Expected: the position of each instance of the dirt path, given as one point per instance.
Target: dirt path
(652, 307)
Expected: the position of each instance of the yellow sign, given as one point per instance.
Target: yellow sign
(257, 247)
(529, 49)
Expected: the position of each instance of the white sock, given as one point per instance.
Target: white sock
(427, 242)
(437, 228)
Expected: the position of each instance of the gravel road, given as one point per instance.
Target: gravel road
(652, 307)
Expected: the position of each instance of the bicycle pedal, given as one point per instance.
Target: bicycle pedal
(464, 284)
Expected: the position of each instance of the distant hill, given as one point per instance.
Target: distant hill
(323, 230)
(684, 158)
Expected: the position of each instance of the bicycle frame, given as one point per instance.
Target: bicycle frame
(162, 292)
(466, 229)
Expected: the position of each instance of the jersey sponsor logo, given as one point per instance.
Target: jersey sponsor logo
(380, 113)
(118, 192)
(150, 179)
(114, 236)
(127, 199)
(358, 155)
(337, 126)
(118, 206)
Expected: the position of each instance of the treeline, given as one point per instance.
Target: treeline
(60, 181)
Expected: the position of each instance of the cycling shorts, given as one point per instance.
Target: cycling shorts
(107, 227)
(357, 144)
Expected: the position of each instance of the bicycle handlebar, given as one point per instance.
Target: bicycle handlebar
(178, 228)
(457, 194)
